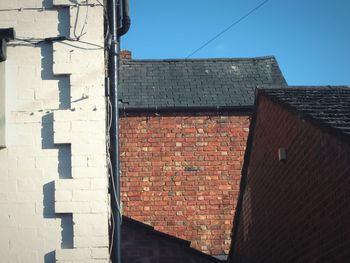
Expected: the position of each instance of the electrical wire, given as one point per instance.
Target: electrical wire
(109, 157)
(85, 22)
(108, 31)
(227, 28)
(60, 39)
(108, 140)
(40, 9)
(110, 169)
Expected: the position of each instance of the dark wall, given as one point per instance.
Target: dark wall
(297, 210)
(141, 244)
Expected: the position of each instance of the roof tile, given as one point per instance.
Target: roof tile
(329, 106)
(150, 84)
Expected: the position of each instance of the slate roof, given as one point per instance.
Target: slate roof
(195, 83)
(328, 106)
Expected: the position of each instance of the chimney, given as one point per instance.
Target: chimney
(125, 54)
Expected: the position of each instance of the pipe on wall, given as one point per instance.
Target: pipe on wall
(114, 131)
(114, 15)
(125, 21)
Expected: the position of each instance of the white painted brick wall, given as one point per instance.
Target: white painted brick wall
(55, 124)
(2, 106)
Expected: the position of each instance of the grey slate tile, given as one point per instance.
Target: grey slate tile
(195, 83)
(327, 105)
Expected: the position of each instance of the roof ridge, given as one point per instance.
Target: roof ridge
(199, 59)
(311, 87)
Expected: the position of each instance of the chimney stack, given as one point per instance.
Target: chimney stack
(125, 54)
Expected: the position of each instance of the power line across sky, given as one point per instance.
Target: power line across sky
(310, 39)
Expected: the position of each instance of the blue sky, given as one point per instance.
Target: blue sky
(309, 38)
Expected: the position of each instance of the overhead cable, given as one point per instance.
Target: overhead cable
(227, 28)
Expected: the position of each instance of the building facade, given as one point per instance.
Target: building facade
(183, 131)
(293, 205)
(53, 175)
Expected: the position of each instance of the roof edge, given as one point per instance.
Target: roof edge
(187, 109)
(307, 87)
(321, 125)
(244, 174)
(199, 59)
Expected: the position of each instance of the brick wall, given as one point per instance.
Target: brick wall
(298, 210)
(53, 178)
(181, 174)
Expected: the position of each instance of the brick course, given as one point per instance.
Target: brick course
(181, 174)
(294, 211)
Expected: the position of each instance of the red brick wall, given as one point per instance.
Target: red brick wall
(298, 210)
(181, 174)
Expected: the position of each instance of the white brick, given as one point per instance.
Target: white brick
(89, 230)
(5, 220)
(63, 126)
(3, 173)
(98, 114)
(24, 197)
(25, 134)
(89, 195)
(79, 161)
(25, 162)
(100, 253)
(90, 219)
(72, 184)
(28, 256)
(47, 91)
(88, 172)
(26, 94)
(63, 195)
(9, 162)
(83, 126)
(94, 147)
(62, 138)
(9, 185)
(91, 242)
(24, 117)
(3, 198)
(72, 207)
(97, 160)
(30, 184)
(73, 254)
(26, 25)
(98, 207)
(46, 162)
(99, 183)
(30, 151)
(69, 115)
(26, 173)
(29, 220)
